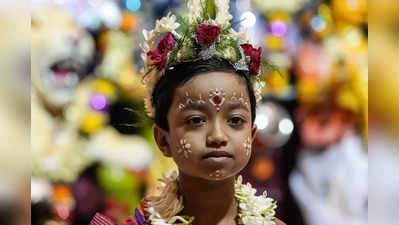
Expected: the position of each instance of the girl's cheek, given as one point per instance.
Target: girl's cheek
(247, 146)
(184, 147)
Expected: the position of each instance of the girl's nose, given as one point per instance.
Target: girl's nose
(216, 136)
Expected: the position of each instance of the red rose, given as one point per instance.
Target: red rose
(255, 55)
(158, 56)
(207, 34)
(158, 59)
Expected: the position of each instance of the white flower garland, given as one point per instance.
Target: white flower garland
(253, 210)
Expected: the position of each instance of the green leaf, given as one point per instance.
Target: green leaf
(232, 25)
(236, 49)
(204, 14)
(210, 9)
(143, 119)
(148, 72)
(180, 19)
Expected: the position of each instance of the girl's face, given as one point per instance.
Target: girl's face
(210, 132)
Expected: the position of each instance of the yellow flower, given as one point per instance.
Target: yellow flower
(274, 42)
(307, 90)
(104, 87)
(280, 15)
(92, 122)
(347, 99)
(277, 83)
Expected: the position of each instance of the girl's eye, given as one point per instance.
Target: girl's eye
(195, 121)
(236, 121)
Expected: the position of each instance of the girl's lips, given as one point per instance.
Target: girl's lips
(217, 155)
(216, 160)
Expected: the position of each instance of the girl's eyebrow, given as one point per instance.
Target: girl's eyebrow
(194, 106)
(237, 105)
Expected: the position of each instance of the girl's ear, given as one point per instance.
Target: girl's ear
(161, 137)
(253, 131)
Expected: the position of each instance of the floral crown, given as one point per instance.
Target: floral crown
(205, 33)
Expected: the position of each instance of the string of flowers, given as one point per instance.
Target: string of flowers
(164, 209)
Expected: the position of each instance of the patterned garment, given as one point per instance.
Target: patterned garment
(136, 219)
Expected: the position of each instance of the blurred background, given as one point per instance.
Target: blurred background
(75, 141)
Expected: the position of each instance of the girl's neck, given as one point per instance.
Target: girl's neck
(210, 202)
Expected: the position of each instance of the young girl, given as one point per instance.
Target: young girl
(203, 86)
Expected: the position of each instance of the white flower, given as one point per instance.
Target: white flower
(254, 210)
(147, 34)
(258, 90)
(194, 11)
(149, 37)
(148, 44)
(149, 81)
(223, 15)
(241, 34)
(167, 24)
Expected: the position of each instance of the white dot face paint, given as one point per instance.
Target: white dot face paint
(247, 146)
(200, 100)
(184, 148)
(216, 174)
(190, 100)
(239, 98)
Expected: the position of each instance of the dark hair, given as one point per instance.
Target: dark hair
(164, 90)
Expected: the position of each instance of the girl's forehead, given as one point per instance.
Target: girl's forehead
(211, 81)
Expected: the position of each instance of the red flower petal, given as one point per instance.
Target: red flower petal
(158, 56)
(255, 55)
(207, 34)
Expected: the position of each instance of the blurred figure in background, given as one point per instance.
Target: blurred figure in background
(330, 181)
(14, 114)
(384, 111)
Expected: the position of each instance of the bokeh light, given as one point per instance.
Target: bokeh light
(249, 19)
(278, 28)
(286, 126)
(318, 23)
(98, 102)
(133, 5)
(262, 121)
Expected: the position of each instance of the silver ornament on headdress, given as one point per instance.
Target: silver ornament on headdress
(208, 52)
